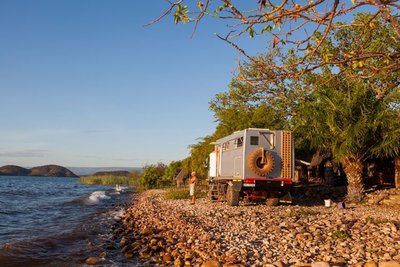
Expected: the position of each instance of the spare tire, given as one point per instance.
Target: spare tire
(255, 163)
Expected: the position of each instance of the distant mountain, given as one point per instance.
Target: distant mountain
(113, 173)
(13, 170)
(55, 170)
(81, 171)
(51, 170)
(46, 170)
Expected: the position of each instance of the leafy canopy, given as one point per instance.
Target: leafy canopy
(302, 27)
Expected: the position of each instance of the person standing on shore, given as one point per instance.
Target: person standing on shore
(192, 185)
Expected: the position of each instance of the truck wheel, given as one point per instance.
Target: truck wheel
(232, 196)
(255, 163)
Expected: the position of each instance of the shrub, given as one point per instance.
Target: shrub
(152, 176)
(183, 193)
(177, 193)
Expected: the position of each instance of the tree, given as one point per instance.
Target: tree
(302, 27)
(198, 159)
(337, 109)
(252, 101)
(171, 171)
(353, 123)
(152, 175)
(246, 105)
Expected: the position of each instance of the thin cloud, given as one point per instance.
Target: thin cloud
(31, 153)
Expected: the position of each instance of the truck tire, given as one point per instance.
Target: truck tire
(232, 196)
(255, 164)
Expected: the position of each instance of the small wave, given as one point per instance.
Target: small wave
(11, 212)
(94, 198)
(118, 215)
(97, 196)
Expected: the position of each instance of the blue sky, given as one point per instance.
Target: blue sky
(83, 83)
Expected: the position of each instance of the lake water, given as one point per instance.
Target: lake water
(54, 221)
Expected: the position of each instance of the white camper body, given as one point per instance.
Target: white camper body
(258, 161)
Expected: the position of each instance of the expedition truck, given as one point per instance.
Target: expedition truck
(252, 164)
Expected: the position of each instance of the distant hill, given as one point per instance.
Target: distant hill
(46, 170)
(13, 170)
(83, 171)
(51, 170)
(113, 173)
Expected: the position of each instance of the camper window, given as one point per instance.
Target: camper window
(254, 140)
(225, 146)
(239, 142)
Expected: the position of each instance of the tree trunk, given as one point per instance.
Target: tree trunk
(355, 189)
(397, 171)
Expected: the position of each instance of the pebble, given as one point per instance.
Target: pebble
(92, 261)
(389, 264)
(174, 233)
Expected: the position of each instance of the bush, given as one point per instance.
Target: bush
(183, 193)
(177, 193)
(152, 176)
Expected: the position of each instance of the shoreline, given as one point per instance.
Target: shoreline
(159, 231)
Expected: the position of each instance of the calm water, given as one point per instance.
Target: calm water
(48, 221)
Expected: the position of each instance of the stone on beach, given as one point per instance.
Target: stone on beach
(174, 233)
(211, 264)
(92, 261)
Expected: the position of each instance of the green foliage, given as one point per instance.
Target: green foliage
(135, 174)
(152, 176)
(183, 193)
(350, 120)
(251, 103)
(198, 159)
(283, 24)
(358, 47)
(177, 193)
(171, 171)
(108, 180)
(181, 14)
(346, 108)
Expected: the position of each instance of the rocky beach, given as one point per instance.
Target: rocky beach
(164, 232)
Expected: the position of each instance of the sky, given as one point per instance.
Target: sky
(84, 83)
